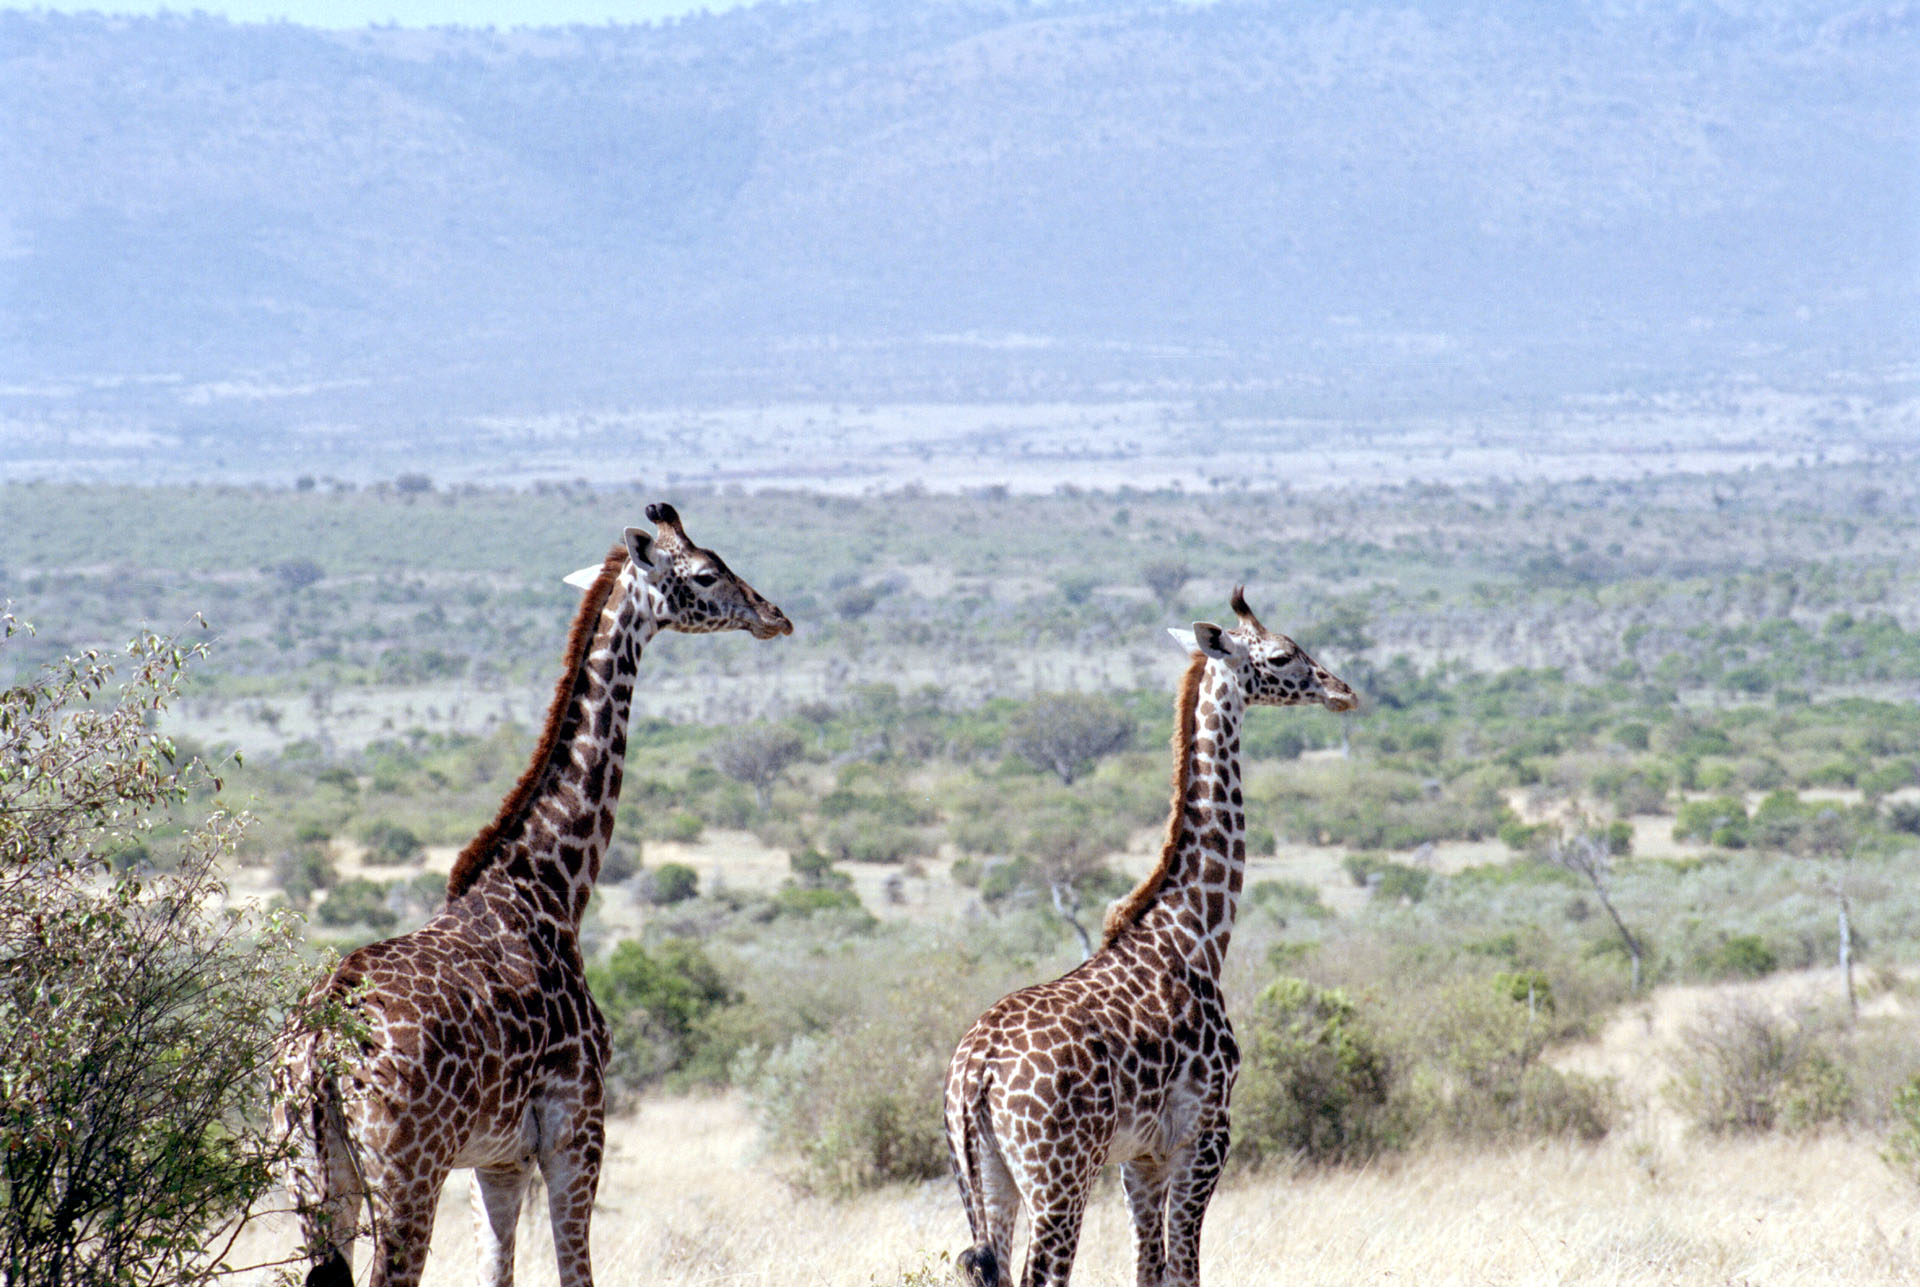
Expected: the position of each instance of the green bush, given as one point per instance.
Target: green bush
(1282, 899)
(358, 902)
(655, 1001)
(859, 1105)
(671, 882)
(1386, 880)
(1315, 1083)
(137, 1008)
(1719, 821)
(854, 840)
(1903, 1141)
(1479, 1075)
(799, 900)
(1741, 956)
(388, 843)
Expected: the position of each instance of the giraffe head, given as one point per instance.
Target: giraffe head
(693, 589)
(698, 593)
(1273, 670)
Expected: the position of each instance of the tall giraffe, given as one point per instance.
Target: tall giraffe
(473, 1040)
(1129, 1058)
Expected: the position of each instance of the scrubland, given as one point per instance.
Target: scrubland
(1663, 724)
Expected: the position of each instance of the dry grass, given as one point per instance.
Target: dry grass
(687, 1200)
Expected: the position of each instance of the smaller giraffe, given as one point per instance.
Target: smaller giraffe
(1129, 1057)
(472, 1041)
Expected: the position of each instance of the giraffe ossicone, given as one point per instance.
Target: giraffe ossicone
(1129, 1057)
(472, 1041)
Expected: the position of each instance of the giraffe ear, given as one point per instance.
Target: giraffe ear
(1184, 638)
(640, 548)
(1215, 642)
(584, 578)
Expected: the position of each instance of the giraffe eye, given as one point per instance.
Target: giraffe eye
(706, 580)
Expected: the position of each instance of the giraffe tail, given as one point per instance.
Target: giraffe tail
(334, 1271)
(966, 1094)
(321, 1173)
(978, 1266)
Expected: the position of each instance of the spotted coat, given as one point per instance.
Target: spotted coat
(472, 1041)
(1130, 1058)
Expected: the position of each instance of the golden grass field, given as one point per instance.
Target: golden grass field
(688, 1199)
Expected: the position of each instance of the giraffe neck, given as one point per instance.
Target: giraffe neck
(543, 853)
(1206, 856)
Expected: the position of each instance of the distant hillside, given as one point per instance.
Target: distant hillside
(1442, 201)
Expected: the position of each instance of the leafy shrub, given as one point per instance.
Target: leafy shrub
(1524, 839)
(358, 902)
(670, 882)
(1903, 1142)
(1480, 1077)
(1284, 898)
(1315, 1083)
(684, 827)
(1741, 956)
(388, 843)
(1742, 1069)
(654, 1001)
(854, 840)
(303, 870)
(795, 900)
(1719, 821)
(137, 1016)
(859, 1105)
(1385, 879)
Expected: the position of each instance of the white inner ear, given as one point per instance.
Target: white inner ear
(640, 548)
(1224, 648)
(584, 578)
(1184, 638)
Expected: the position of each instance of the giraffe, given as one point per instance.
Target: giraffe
(472, 1042)
(1129, 1057)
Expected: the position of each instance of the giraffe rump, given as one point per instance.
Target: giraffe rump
(1125, 913)
(481, 850)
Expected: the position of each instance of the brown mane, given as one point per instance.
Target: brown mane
(480, 851)
(1131, 908)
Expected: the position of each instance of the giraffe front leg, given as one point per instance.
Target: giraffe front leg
(1188, 1194)
(1146, 1181)
(570, 1165)
(497, 1193)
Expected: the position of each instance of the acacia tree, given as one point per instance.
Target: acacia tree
(1591, 858)
(1165, 579)
(1066, 733)
(757, 757)
(137, 1017)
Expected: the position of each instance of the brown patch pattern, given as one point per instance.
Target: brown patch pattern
(1130, 1058)
(478, 1044)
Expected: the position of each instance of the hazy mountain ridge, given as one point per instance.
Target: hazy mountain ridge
(849, 199)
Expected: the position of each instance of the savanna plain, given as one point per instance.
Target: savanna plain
(1587, 951)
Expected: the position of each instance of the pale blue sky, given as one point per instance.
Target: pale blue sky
(408, 13)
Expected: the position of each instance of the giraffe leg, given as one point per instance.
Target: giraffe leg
(1187, 1198)
(1056, 1234)
(571, 1168)
(497, 1193)
(403, 1228)
(1146, 1182)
